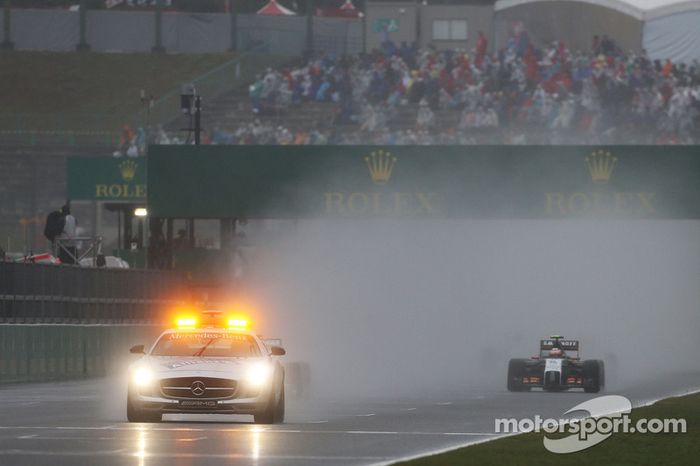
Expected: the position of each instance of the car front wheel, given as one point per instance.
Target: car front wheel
(133, 414)
(274, 411)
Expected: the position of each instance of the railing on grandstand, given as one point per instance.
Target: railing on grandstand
(212, 84)
(34, 293)
(66, 130)
(31, 129)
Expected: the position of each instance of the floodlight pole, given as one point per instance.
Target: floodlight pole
(233, 16)
(363, 12)
(197, 119)
(197, 142)
(83, 45)
(7, 20)
(147, 103)
(310, 27)
(158, 47)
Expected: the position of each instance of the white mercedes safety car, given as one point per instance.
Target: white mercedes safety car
(207, 367)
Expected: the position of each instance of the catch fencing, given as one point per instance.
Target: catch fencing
(181, 32)
(62, 322)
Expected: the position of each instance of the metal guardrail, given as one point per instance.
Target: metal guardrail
(31, 293)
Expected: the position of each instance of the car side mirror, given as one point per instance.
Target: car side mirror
(138, 349)
(277, 351)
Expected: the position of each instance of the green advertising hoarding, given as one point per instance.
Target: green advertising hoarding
(106, 179)
(424, 181)
(385, 25)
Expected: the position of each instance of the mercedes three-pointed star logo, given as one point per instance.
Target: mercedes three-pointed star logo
(197, 388)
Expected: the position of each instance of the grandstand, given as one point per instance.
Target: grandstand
(509, 79)
(519, 94)
(508, 82)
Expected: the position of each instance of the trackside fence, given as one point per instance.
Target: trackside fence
(44, 352)
(37, 293)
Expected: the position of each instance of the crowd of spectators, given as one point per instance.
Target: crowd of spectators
(521, 94)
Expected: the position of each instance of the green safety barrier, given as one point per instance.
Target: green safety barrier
(36, 353)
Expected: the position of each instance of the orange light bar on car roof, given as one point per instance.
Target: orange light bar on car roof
(186, 322)
(238, 322)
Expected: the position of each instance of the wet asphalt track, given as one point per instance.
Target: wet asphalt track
(71, 423)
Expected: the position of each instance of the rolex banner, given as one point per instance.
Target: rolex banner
(554, 182)
(106, 179)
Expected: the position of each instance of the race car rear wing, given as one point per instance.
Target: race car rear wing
(565, 345)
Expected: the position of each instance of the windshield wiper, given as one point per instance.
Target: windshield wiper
(203, 348)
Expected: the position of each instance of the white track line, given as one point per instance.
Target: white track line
(500, 436)
(126, 453)
(41, 437)
(195, 439)
(251, 431)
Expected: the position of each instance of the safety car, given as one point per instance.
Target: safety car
(207, 364)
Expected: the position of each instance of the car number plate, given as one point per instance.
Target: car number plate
(198, 404)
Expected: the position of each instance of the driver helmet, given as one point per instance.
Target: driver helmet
(556, 353)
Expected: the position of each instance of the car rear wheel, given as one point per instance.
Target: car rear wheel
(593, 376)
(134, 414)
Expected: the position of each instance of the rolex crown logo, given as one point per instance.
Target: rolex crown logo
(601, 165)
(380, 165)
(128, 170)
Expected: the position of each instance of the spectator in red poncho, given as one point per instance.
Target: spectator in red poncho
(481, 45)
(532, 71)
(667, 69)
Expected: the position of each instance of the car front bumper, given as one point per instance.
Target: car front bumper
(247, 401)
(168, 405)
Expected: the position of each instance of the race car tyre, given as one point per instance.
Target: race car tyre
(516, 369)
(601, 364)
(593, 376)
(134, 414)
(279, 410)
(273, 413)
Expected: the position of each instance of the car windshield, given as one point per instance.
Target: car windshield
(207, 344)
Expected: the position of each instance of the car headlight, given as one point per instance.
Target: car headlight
(142, 377)
(258, 374)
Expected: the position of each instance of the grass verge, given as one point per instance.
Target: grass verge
(619, 449)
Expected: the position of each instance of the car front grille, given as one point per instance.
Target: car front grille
(198, 388)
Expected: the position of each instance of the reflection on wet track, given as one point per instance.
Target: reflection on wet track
(71, 423)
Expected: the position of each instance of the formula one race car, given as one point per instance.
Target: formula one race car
(557, 368)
